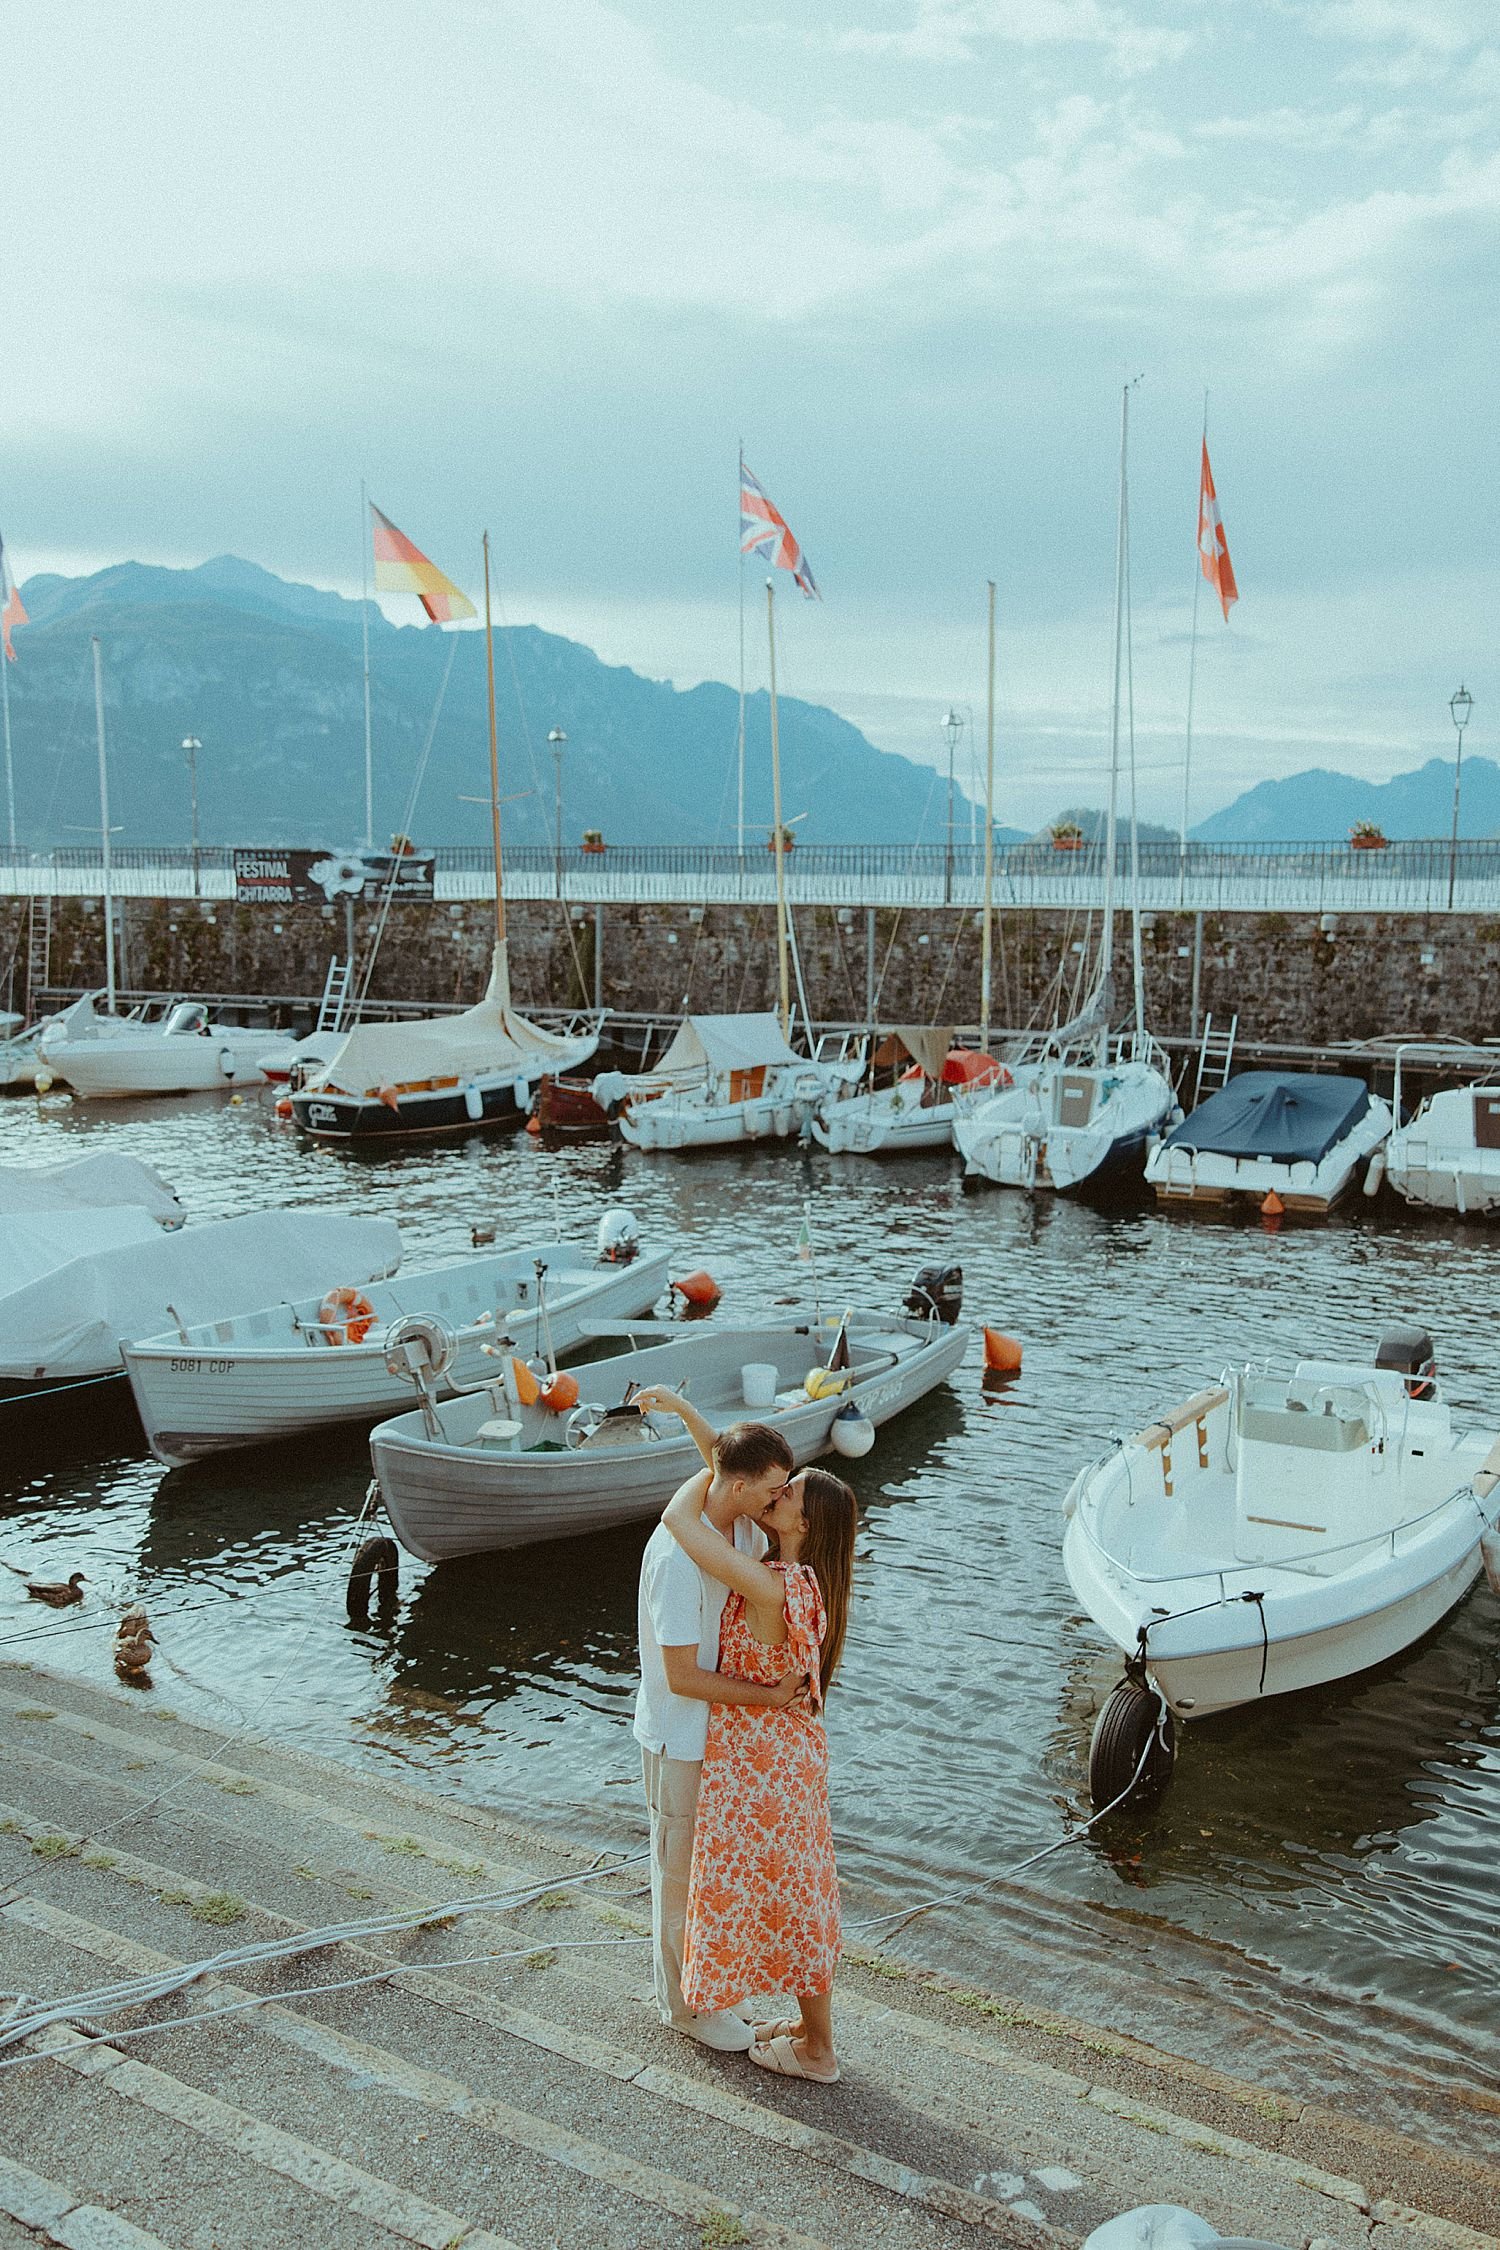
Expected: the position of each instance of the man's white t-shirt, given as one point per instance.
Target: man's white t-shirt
(679, 1604)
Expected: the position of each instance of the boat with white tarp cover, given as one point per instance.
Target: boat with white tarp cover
(440, 1074)
(90, 1183)
(61, 1328)
(488, 1471)
(1273, 1533)
(1303, 1134)
(726, 1079)
(312, 1362)
(920, 1109)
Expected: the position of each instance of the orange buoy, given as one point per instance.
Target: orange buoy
(284, 1106)
(390, 1097)
(528, 1389)
(698, 1289)
(534, 1126)
(1002, 1354)
(560, 1392)
(1271, 1206)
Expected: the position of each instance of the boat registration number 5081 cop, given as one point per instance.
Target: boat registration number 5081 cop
(200, 1366)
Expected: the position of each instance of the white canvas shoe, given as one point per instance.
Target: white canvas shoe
(725, 2032)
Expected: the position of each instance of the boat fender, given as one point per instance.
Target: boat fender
(1133, 1747)
(391, 1099)
(283, 1105)
(1489, 1550)
(1002, 1354)
(225, 1060)
(377, 1563)
(559, 1394)
(345, 1317)
(853, 1432)
(1375, 1172)
(528, 1389)
(520, 1094)
(697, 1289)
(43, 1081)
(474, 1102)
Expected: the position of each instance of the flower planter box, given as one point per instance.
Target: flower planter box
(1368, 841)
(593, 841)
(1068, 843)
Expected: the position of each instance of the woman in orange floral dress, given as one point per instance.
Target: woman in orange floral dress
(763, 1903)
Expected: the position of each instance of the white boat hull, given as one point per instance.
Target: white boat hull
(891, 1123)
(1022, 1137)
(449, 1495)
(701, 1119)
(214, 1393)
(1189, 1175)
(182, 1063)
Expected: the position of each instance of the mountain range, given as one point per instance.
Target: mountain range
(268, 676)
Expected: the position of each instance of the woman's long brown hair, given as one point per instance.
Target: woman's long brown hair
(832, 1516)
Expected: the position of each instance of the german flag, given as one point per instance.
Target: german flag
(401, 568)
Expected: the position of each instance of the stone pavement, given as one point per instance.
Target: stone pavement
(529, 2099)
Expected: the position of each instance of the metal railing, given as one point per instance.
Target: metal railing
(1423, 877)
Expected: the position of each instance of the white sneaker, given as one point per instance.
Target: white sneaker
(725, 2032)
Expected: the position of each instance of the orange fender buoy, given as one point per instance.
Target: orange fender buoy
(1271, 1206)
(1002, 1354)
(698, 1289)
(560, 1393)
(390, 1097)
(284, 1106)
(534, 1126)
(345, 1316)
(528, 1389)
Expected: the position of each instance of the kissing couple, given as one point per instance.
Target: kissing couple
(744, 1600)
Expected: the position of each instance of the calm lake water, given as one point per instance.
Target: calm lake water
(1348, 1835)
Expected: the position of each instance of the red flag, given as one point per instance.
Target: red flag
(1213, 547)
(401, 568)
(11, 611)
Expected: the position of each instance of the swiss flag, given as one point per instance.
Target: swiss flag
(1213, 547)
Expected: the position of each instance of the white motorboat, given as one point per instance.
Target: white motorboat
(1295, 1134)
(64, 1319)
(1068, 1120)
(90, 1183)
(20, 1049)
(485, 1472)
(109, 1058)
(736, 1079)
(310, 1363)
(1272, 1534)
(1448, 1157)
(917, 1112)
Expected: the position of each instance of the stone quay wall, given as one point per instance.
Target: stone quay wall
(1291, 979)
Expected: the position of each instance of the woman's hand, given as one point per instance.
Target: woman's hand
(786, 1691)
(655, 1398)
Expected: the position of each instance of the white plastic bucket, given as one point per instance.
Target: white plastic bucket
(758, 1383)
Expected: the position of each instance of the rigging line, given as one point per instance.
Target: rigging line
(536, 781)
(407, 820)
(900, 910)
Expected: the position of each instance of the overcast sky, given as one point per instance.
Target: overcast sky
(539, 264)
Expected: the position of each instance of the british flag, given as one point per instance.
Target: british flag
(764, 531)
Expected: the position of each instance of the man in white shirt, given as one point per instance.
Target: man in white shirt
(678, 1615)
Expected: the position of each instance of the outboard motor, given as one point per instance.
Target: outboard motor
(937, 1293)
(619, 1237)
(1411, 1351)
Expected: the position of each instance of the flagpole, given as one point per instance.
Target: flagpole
(739, 503)
(489, 673)
(1187, 756)
(109, 875)
(778, 834)
(10, 771)
(1107, 935)
(364, 613)
(985, 955)
(1137, 965)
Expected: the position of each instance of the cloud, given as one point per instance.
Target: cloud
(958, 31)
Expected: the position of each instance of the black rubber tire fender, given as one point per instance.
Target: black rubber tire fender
(1122, 1731)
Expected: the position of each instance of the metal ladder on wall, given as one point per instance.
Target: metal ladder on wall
(1214, 1057)
(38, 952)
(335, 1000)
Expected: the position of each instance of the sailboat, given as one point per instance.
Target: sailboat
(388, 1082)
(738, 1078)
(1084, 1104)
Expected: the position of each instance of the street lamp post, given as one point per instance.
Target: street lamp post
(953, 727)
(1460, 706)
(557, 743)
(192, 746)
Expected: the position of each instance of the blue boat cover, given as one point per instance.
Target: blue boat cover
(1294, 1117)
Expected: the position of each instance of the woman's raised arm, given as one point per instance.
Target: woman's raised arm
(713, 1553)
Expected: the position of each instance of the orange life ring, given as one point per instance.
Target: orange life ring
(346, 1317)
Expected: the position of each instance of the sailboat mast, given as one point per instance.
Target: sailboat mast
(1187, 755)
(1107, 935)
(1137, 964)
(985, 952)
(364, 617)
(740, 822)
(10, 771)
(778, 836)
(489, 674)
(109, 873)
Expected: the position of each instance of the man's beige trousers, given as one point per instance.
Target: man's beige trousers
(672, 1799)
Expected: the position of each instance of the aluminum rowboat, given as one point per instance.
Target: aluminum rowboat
(272, 1373)
(452, 1489)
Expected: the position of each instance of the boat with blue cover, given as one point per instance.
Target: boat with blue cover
(1301, 1135)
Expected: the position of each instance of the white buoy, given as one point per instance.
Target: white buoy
(43, 1081)
(853, 1432)
(1375, 1172)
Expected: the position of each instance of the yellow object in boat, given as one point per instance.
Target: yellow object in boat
(827, 1382)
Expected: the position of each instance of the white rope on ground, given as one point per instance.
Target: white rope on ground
(139, 1992)
(895, 1922)
(308, 1992)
